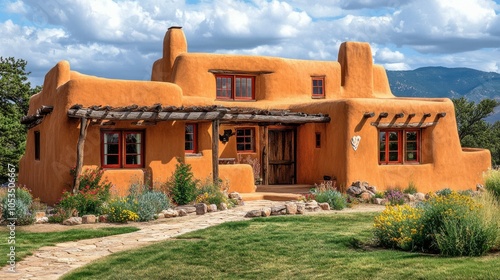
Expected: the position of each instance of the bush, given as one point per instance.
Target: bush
(151, 203)
(335, 199)
(444, 192)
(120, 211)
(21, 204)
(411, 189)
(492, 182)
(395, 197)
(210, 193)
(182, 185)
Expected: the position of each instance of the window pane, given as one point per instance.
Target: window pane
(133, 148)
(240, 147)
(393, 156)
(393, 146)
(411, 156)
(133, 159)
(382, 146)
(249, 87)
(110, 160)
(111, 149)
(411, 136)
(393, 136)
(111, 138)
(240, 132)
(248, 147)
(411, 146)
(382, 156)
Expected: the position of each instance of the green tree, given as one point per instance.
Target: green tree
(15, 91)
(473, 130)
(182, 184)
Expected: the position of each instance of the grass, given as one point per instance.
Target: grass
(28, 242)
(292, 247)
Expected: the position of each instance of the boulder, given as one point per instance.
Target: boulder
(311, 203)
(103, 218)
(419, 196)
(89, 219)
(160, 216)
(73, 221)
(170, 213)
(201, 208)
(234, 195)
(265, 212)
(212, 208)
(409, 197)
(291, 208)
(480, 188)
(39, 214)
(253, 214)
(372, 189)
(324, 206)
(42, 220)
(182, 212)
(366, 196)
(222, 206)
(313, 208)
(378, 201)
(188, 208)
(301, 208)
(354, 191)
(278, 210)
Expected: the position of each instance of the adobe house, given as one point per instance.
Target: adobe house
(244, 119)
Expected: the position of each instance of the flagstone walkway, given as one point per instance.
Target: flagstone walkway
(52, 262)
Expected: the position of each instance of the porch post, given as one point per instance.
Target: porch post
(215, 150)
(265, 158)
(84, 124)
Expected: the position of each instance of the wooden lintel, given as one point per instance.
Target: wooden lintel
(238, 72)
(403, 125)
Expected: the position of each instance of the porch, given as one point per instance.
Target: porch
(277, 192)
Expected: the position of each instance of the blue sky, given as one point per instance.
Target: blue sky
(122, 38)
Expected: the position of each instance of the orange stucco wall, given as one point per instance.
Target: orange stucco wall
(353, 86)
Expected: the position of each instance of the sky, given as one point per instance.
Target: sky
(122, 38)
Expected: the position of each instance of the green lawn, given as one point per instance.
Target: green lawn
(292, 247)
(28, 242)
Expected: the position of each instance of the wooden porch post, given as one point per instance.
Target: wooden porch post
(215, 150)
(84, 124)
(265, 158)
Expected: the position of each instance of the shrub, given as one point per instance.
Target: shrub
(444, 192)
(411, 189)
(182, 185)
(21, 205)
(210, 193)
(335, 199)
(395, 197)
(492, 182)
(120, 211)
(151, 203)
(61, 215)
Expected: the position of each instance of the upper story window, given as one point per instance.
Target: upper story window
(191, 138)
(318, 87)
(245, 140)
(399, 146)
(235, 87)
(122, 149)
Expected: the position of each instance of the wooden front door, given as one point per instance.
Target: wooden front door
(281, 156)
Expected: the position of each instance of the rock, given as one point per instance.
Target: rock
(89, 219)
(201, 208)
(72, 221)
(170, 213)
(222, 206)
(278, 210)
(103, 218)
(39, 214)
(254, 214)
(182, 212)
(311, 203)
(301, 208)
(366, 196)
(354, 191)
(480, 188)
(160, 216)
(234, 195)
(265, 212)
(419, 196)
(409, 197)
(212, 208)
(291, 208)
(313, 208)
(42, 220)
(324, 206)
(378, 201)
(241, 202)
(372, 189)
(188, 208)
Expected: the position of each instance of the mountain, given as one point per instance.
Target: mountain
(473, 84)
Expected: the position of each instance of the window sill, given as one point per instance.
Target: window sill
(237, 100)
(318, 97)
(193, 154)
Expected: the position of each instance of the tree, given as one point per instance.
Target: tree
(15, 91)
(473, 130)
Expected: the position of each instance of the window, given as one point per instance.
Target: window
(245, 139)
(318, 139)
(399, 146)
(235, 87)
(191, 138)
(318, 87)
(37, 145)
(122, 149)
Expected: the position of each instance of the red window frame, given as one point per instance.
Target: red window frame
(245, 137)
(127, 148)
(400, 146)
(318, 139)
(235, 87)
(318, 87)
(191, 138)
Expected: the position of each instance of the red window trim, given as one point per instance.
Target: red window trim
(244, 143)
(233, 88)
(317, 139)
(402, 146)
(322, 87)
(195, 139)
(122, 145)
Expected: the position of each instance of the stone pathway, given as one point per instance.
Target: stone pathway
(52, 262)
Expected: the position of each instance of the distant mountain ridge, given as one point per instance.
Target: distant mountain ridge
(473, 84)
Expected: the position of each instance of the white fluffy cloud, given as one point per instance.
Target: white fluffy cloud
(122, 38)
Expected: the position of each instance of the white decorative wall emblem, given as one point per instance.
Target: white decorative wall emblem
(355, 142)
